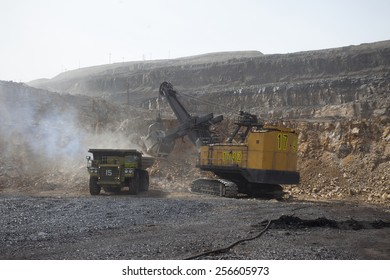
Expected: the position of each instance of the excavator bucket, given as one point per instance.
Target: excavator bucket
(156, 142)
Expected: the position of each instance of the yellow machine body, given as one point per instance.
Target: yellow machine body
(267, 155)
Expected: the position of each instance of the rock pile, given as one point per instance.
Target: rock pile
(347, 160)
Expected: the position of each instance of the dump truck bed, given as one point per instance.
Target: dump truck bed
(147, 161)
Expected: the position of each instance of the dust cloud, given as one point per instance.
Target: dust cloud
(45, 137)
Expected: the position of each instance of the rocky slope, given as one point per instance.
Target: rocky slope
(265, 82)
(140, 79)
(345, 160)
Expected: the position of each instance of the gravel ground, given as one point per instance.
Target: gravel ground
(160, 225)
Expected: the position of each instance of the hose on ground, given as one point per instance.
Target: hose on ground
(267, 224)
(225, 249)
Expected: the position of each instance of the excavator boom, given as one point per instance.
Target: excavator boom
(160, 142)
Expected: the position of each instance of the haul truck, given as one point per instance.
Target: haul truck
(114, 169)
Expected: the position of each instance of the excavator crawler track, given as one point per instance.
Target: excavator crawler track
(216, 187)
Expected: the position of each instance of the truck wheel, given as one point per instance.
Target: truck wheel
(146, 181)
(134, 184)
(94, 189)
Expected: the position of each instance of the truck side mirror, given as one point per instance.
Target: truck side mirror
(89, 163)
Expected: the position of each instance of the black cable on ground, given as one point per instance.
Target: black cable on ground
(225, 249)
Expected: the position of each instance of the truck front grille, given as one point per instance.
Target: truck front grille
(109, 173)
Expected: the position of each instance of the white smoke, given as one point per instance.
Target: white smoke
(57, 135)
(47, 131)
(47, 135)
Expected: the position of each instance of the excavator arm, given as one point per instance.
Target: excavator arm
(160, 142)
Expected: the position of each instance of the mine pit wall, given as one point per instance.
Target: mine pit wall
(360, 98)
(345, 159)
(142, 79)
(349, 97)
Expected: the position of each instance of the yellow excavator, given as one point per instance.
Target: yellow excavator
(255, 160)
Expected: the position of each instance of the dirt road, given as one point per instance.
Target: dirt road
(160, 225)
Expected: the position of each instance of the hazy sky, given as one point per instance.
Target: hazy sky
(41, 38)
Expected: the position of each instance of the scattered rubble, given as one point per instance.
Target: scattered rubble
(170, 227)
(344, 160)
